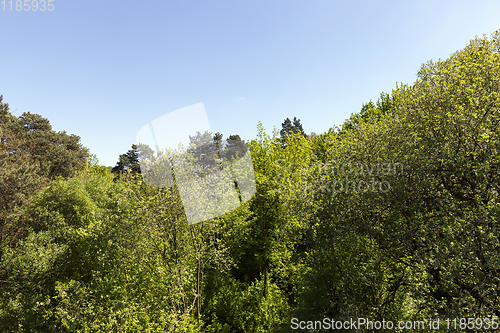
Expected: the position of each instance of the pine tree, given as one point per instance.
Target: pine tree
(235, 148)
(30, 138)
(291, 127)
(128, 161)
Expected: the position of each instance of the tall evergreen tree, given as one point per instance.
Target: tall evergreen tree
(291, 127)
(128, 161)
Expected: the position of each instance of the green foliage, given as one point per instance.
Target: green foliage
(19, 177)
(64, 220)
(129, 161)
(30, 137)
(451, 119)
(419, 240)
(31, 154)
(288, 127)
(371, 112)
(241, 307)
(17, 182)
(279, 220)
(428, 246)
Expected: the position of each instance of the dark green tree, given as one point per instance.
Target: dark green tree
(30, 137)
(291, 127)
(31, 154)
(204, 148)
(235, 148)
(129, 161)
(209, 151)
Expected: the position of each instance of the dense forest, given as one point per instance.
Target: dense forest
(393, 215)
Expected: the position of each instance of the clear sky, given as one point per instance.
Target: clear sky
(103, 69)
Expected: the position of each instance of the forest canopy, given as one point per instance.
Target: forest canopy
(393, 215)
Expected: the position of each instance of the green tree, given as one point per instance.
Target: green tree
(291, 127)
(427, 245)
(277, 225)
(235, 148)
(31, 154)
(63, 243)
(129, 161)
(370, 112)
(31, 136)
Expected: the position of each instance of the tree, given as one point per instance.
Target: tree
(30, 138)
(276, 226)
(431, 237)
(205, 150)
(65, 245)
(128, 161)
(235, 148)
(19, 178)
(103, 255)
(31, 154)
(288, 127)
(211, 151)
(370, 112)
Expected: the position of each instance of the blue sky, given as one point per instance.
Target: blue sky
(103, 69)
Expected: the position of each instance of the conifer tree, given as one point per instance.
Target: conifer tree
(128, 161)
(291, 127)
